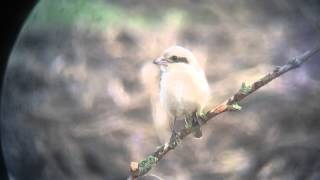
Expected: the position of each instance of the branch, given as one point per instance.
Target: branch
(231, 104)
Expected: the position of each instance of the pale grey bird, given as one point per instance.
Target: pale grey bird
(184, 90)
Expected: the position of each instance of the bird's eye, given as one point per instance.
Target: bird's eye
(174, 58)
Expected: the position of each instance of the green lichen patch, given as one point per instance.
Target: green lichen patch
(146, 164)
(245, 88)
(234, 107)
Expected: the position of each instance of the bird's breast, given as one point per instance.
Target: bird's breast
(183, 92)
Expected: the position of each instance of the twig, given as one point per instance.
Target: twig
(231, 104)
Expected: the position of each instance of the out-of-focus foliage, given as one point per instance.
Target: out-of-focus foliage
(81, 96)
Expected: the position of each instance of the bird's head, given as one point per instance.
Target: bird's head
(176, 56)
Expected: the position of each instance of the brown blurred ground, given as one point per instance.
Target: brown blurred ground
(81, 102)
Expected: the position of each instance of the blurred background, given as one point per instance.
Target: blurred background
(81, 95)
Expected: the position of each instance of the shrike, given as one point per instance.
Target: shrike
(184, 90)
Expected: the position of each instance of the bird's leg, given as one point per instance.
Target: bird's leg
(172, 126)
(188, 123)
(174, 140)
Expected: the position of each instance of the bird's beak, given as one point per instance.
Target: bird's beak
(160, 61)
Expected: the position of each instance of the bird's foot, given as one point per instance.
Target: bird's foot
(201, 115)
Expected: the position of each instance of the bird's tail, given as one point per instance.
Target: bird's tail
(197, 132)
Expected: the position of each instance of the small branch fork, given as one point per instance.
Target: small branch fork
(231, 104)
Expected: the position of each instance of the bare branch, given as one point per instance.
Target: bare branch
(231, 104)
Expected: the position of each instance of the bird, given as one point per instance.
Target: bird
(184, 89)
